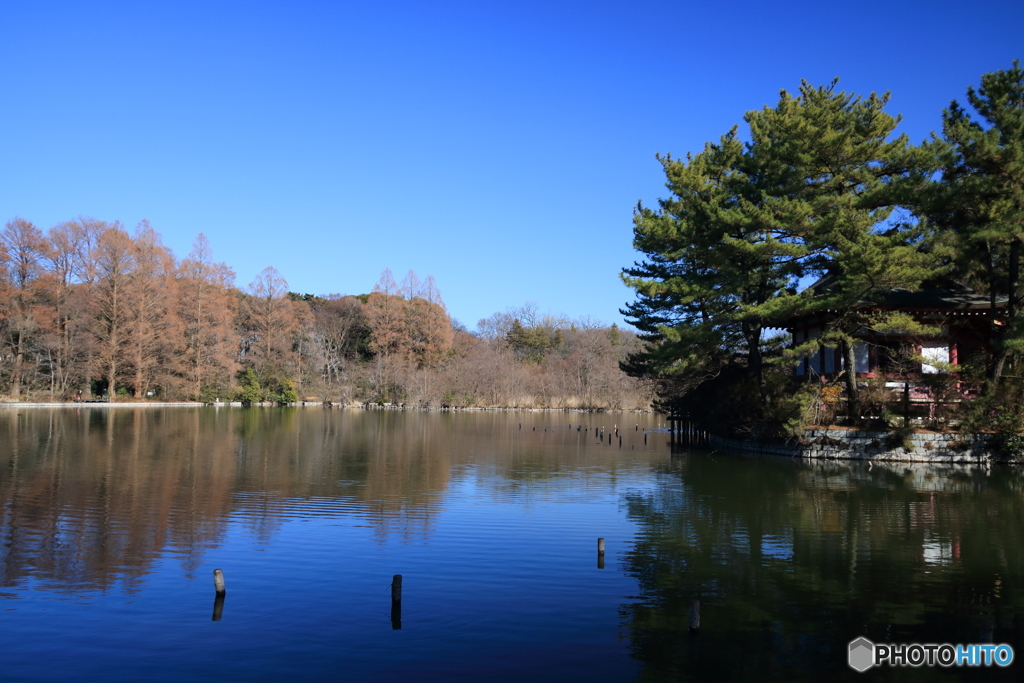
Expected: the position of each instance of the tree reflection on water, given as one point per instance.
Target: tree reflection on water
(90, 499)
(793, 561)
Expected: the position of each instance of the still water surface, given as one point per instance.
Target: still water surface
(111, 522)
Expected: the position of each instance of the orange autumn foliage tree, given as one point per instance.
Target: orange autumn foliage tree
(155, 330)
(114, 256)
(23, 250)
(89, 308)
(207, 310)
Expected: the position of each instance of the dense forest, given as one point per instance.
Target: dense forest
(89, 307)
(820, 188)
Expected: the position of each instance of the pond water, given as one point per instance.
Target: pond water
(112, 521)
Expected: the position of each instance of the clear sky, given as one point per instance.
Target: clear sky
(498, 146)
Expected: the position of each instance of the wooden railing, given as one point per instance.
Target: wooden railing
(906, 399)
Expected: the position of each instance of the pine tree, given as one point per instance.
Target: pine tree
(827, 161)
(982, 199)
(813, 192)
(719, 263)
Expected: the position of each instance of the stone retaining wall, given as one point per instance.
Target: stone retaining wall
(846, 444)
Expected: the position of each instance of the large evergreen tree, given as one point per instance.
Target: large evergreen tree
(981, 199)
(718, 262)
(813, 192)
(827, 160)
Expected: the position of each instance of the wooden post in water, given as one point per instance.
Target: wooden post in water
(218, 601)
(218, 607)
(600, 553)
(694, 616)
(396, 603)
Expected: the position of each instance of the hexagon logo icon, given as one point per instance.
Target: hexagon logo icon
(862, 654)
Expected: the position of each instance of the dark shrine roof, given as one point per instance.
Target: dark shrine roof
(934, 300)
(940, 294)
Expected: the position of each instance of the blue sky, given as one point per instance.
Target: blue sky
(498, 146)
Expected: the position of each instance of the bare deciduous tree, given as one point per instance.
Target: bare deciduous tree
(114, 259)
(207, 309)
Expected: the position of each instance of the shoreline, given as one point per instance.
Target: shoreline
(297, 404)
(881, 447)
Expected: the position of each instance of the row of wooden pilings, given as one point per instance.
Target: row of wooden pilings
(396, 596)
(444, 407)
(684, 433)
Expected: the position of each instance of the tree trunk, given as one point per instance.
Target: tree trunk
(1001, 352)
(16, 370)
(111, 381)
(755, 363)
(852, 391)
